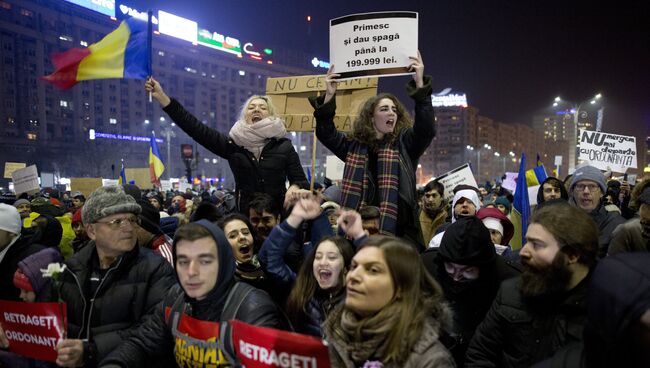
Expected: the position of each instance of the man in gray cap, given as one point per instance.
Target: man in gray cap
(111, 284)
(634, 235)
(587, 189)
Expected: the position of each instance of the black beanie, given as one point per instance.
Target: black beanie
(467, 242)
(149, 217)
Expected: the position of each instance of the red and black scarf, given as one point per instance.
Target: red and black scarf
(354, 188)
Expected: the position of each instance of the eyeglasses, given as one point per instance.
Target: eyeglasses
(591, 187)
(117, 223)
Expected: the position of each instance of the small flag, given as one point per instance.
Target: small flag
(122, 179)
(123, 53)
(520, 207)
(536, 176)
(156, 166)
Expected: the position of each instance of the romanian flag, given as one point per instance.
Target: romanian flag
(123, 53)
(536, 176)
(122, 178)
(520, 207)
(156, 166)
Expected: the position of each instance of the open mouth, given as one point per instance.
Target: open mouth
(244, 249)
(256, 117)
(390, 123)
(325, 275)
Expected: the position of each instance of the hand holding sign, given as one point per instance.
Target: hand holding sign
(4, 342)
(417, 66)
(70, 353)
(330, 83)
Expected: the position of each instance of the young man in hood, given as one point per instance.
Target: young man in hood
(207, 296)
(466, 202)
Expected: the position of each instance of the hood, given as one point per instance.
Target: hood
(215, 300)
(508, 227)
(563, 193)
(467, 241)
(51, 235)
(465, 193)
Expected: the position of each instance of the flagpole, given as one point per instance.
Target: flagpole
(313, 161)
(150, 46)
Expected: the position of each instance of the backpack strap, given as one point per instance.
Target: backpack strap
(177, 307)
(236, 297)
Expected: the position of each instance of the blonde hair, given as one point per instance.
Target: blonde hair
(267, 99)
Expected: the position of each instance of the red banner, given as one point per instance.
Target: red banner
(33, 329)
(261, 347)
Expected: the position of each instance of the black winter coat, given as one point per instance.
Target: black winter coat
(21, 249)
(518, 333)
(412, 143)
(155, 339)
(278, 162)
(129, 291)
(607, 222)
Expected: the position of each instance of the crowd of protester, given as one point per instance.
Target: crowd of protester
(387, 274)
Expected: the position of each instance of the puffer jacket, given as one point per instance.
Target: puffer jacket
(517, 333)
(277, 163)
(410, 144)
(130, 290)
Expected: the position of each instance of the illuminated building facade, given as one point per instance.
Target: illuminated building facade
(211, 72)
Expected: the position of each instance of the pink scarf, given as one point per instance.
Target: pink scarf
(254, 136)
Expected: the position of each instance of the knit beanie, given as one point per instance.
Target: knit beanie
(589, 173)
(10, 219)
(332, 194)
(21, 281)
(31, 267)
(493, 224)
(467, 242)
(21, 201)
(149, 217)
(133, 190)
(106, 201)
(505, 202)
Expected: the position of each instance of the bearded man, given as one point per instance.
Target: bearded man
(544, 309)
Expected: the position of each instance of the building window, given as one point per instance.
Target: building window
(27, 13)
(63, 103)
(112, 121)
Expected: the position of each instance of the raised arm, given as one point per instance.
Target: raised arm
(418, 138)
(324, 111)
(217, 142)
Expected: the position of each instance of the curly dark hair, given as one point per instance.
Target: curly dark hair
(363, 129)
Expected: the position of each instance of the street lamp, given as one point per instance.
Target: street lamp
(503, 159)
(576, 113)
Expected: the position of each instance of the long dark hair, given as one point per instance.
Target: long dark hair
(306, 285)
(257, 242)
(363, 129)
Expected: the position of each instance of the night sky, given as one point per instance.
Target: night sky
(511, 58)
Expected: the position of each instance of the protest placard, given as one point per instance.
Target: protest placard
(510, 182)
(165, 185)
(33, 329)
(110, 182)
(460, 175)
(47, 180)
(373, 43)
(85, 185)
(608, 151)
(334, 168)
(10, 167)
(25, 180)
(290, 97)
(261, 347)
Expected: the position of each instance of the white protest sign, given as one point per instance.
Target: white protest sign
(608, 151)
(165, 185)
(183, 185)
(460, 175)
(110, 182)
(25, 180)
(510, 182)
(334, 167)
(377, 44)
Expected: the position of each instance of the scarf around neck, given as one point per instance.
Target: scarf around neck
(254, 136)
(354, 188)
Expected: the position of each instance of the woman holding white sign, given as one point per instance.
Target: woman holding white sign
(259, 155)
(382, 152)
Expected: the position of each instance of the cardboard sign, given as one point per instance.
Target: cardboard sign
(26, 180)
(110, 182)
(290, 97)
(373, 43)
(608, 151)
(10, 167)
(85, 185)
(34, 329)
(140, 176)
(165, 185)
(460, 175)
(260, 347)
(510, 182)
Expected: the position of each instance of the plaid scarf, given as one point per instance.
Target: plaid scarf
(355, 183)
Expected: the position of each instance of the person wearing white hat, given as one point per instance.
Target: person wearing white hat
(13, 249)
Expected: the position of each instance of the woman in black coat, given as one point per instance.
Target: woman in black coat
(260, 157)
